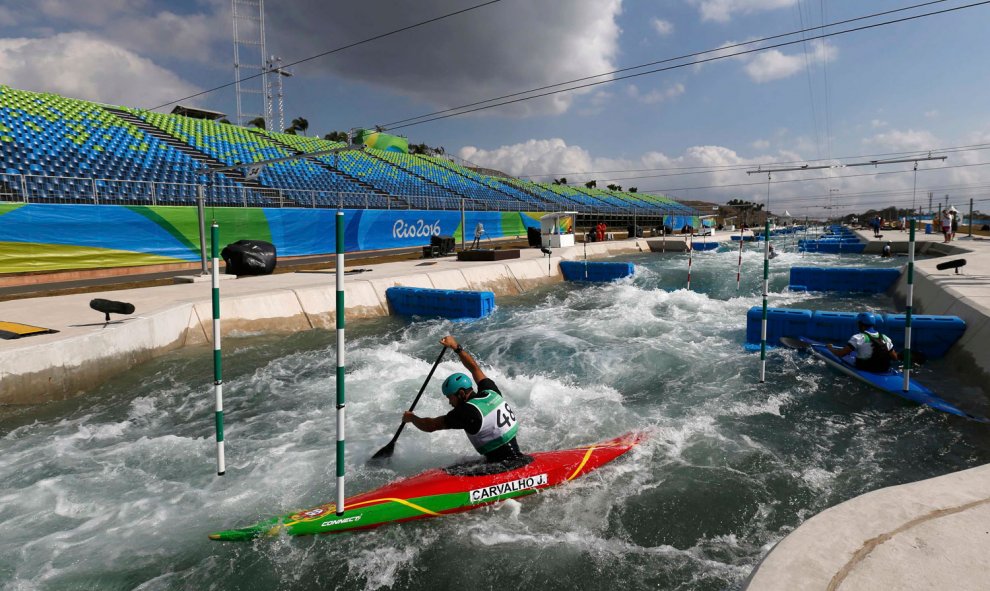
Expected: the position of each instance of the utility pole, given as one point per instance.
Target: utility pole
(929, 204)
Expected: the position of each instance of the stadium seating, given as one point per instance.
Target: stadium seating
(79, 152)
(59, 149)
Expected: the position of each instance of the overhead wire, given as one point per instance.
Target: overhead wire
(693, 63)
(653, 63)
(728, 167)
(335, 50)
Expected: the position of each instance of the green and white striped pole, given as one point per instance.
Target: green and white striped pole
(340, 362)
(907, 310)
(689, 245)
(217, 358)
(766, 289)
(739, 266)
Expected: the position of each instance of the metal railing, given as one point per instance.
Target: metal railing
(92, 191)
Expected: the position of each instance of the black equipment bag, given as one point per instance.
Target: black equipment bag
(249, 257)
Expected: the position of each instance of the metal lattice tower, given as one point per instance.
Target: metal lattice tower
(250, 60)
(277, 104)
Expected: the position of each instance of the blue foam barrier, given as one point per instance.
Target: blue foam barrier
(595, 272)
(780, 322)
(931, 335)
(445, 303)
(848, 279)
(705, 245)
(831, 247)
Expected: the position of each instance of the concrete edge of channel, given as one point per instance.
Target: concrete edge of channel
(845, 537)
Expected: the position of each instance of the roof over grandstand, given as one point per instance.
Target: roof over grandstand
(198, 113)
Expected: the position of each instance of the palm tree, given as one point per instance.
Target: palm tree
(591, 184)
(561, 181)
(291, 130)
(258, 122)
(634, 189)
(336, 136)
(300, 124)
(614, 187)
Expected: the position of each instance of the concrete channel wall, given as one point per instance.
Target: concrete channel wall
(84, 352)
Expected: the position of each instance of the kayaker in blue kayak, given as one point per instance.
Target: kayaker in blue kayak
(487, 419)
(868, 349)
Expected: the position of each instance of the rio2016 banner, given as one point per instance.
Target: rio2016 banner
(53, 237)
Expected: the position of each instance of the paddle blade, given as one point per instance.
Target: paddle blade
(384, 453)
(917, 358)
(793, 343)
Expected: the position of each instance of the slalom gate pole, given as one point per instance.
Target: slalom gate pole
(970, 217)
(585, 256)
(739, 266)
(690, 249)
(217, 359)
(766, 289)
(907, 310)
(340, 362)
(663, 234)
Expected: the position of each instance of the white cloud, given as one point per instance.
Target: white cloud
(487, 52)
(184, 36)
(534, 158)
(723, 10)
(81, 66)
(655, 96)
(875, 123)
(932, 114)
(133, 24)
(771, 65)
(662, 27)
(904, 141)
(92, 12)
(723, 175)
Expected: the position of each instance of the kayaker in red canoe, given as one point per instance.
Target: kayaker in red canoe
(487, 419)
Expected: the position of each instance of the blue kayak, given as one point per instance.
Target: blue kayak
(890, 381)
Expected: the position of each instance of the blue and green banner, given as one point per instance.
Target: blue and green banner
(38, 237)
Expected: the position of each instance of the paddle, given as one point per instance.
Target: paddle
(386, 452)
(794, 343)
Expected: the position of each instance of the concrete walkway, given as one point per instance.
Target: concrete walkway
(85, 352)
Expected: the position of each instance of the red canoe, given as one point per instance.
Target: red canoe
(441, 491)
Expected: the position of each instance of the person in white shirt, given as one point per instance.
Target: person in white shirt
(868, 349)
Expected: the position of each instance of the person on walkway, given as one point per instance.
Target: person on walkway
(867, 349)
(484, 415)
(877, 222)
(600, 231)
(955, 222)
(946, 225)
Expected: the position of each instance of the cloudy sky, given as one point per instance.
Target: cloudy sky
(692, 130)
